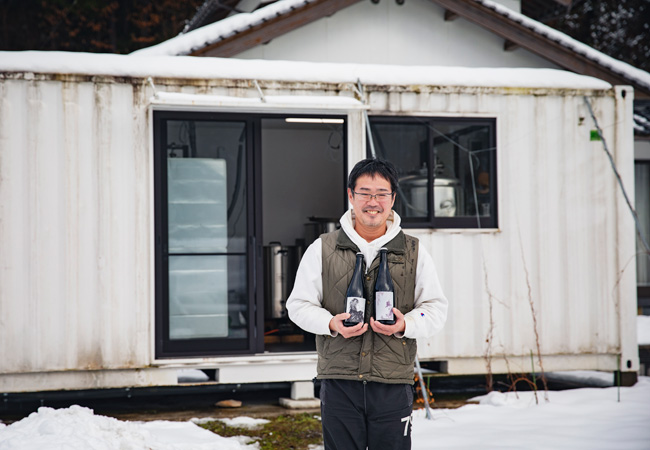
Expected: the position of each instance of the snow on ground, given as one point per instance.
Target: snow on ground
(590, 418)
(239, 422)
(578, 418)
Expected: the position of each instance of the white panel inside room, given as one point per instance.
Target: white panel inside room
(303, 176)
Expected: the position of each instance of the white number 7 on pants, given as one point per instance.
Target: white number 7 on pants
(406, 419)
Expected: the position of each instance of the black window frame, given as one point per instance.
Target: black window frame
(165, 348)
(431, 221)
(642, 290)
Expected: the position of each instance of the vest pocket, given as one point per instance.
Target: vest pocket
(322, 344)
(410, 350)
(340, 356)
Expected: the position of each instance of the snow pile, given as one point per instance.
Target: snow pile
(191, 376)
(236, 422)
(643, 330)
(77, 428)
(583, 377)
(578, 418)
(244, 422)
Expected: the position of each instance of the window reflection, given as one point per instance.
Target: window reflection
(446, 169)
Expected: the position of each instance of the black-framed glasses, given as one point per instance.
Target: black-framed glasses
(384, 196)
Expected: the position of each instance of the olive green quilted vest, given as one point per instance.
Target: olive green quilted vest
(371, 356)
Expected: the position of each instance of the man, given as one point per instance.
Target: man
(366, 371)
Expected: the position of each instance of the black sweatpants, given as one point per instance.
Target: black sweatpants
(357, 415)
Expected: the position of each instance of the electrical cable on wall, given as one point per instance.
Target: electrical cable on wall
(618, 178)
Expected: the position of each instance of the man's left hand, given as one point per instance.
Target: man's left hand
(388, 330)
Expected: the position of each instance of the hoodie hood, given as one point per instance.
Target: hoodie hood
(370, 249)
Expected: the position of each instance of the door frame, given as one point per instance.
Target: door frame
(164, 348)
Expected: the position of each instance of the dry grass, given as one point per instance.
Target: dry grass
(285, 432)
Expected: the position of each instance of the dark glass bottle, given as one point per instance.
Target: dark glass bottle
(384, 292)
(355, 303)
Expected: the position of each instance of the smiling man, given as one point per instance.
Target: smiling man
(366, 371)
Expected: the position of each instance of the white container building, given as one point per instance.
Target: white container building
(143, 199)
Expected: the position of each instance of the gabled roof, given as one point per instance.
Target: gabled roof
(549, 43)
(241, 32)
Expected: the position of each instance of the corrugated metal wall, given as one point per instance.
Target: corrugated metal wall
(76, 220)
(74, 227)
(557, 245)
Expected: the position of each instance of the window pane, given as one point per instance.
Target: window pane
(207, 297)
(206, 178)
(463, 169)
(446, 169)
(206, 230)
(642, 206)
(196, 189)
(407, 146)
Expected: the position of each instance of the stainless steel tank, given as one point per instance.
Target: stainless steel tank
(280, 266)
(446, 195)
(317, 226)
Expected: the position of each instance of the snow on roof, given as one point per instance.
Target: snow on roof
(185, 44)
(190, 67)
(628, 71)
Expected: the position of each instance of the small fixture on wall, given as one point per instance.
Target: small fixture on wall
(311, 120)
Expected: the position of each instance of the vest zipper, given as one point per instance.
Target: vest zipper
(364, 396)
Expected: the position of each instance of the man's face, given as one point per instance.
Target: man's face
(373, 213)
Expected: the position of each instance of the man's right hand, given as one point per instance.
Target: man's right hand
(336, 324)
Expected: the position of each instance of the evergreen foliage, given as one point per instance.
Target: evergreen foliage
(618, 28)
(117, 26)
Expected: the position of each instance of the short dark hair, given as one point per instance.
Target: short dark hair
(373, 167)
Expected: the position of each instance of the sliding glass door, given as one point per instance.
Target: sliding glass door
(203, 235)
(229, 188)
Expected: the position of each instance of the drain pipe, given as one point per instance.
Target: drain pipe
(361, 94)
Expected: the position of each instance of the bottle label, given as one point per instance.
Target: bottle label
(384, 305)
(356, 306)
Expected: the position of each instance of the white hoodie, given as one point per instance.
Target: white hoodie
(305, 302)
